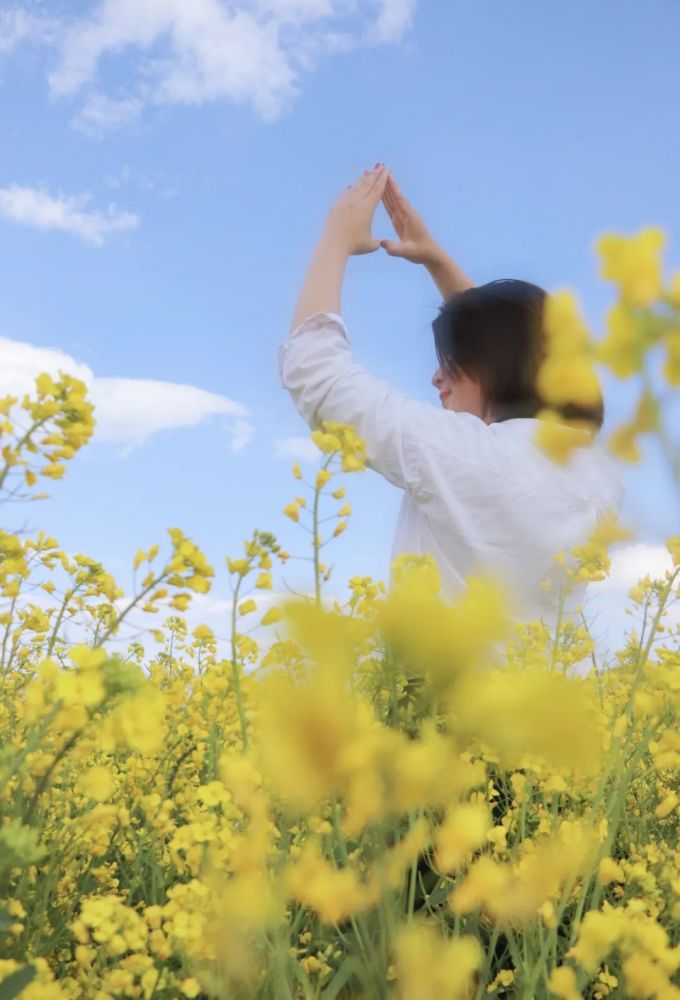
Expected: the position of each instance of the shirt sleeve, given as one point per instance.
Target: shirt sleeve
(317, 369)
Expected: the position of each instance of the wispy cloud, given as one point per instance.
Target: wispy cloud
(101, 114)
(128, 411)
(18, 25)
(131, 410)
(394, 20)
(297, 447)
(38, 208)
(607, 600)
(631, 562)
(249, 52)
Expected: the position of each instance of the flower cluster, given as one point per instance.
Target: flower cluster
(405, 796)
(643, 324)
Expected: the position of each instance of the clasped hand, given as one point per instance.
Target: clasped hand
(350, 218)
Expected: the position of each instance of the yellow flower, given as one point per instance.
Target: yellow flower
(203, 632)
(136, 722)
(247, 606)
(97, 783)
(671, 367)
(53, 470)
(327, 442)
(264, 581)
(673, 546)
(80, 687)
(334, 893)
(646, 417)
(563, 983)
(45, 385)
(667, 805)
(623, 348)
(633, 263)
(351, 463)
(674, 289)
(559, 438)
(339, 493)
(644, 977)
(430, 966)
(610, 871)
(272, 616)
(598, 933)
(345, 510)
(520, 711)
(292, 512)
(464, 828)
(547, 913)
(322, 477)
(623, 444)
(505, 977)
(339, 528)
(297, 471)
(240, 566)
(86, 657)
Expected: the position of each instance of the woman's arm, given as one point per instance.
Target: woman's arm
(418, 245)
(346, 231)
(322, 286)
(446, 274)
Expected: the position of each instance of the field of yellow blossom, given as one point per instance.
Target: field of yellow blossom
(403, 797)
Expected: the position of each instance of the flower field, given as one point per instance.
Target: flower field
(401, 797)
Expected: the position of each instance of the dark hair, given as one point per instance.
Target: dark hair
(494, 334)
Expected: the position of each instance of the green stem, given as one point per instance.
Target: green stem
(236, 678)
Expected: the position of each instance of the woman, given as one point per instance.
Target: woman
(479, 494)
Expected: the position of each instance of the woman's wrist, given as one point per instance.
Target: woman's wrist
(434, 256)
(446, 274)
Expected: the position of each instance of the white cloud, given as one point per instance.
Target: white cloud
(201, 52)
(607, 600)
(243, 435)
(631, 562)
(132, 409)
(207, 50)
(394, 20)
(128, 411)
(297, 447)
(18, 25)
(145, 179)
(36, 207)
(101, 114)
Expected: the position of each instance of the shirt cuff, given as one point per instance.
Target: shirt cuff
(316, 320)
(320, 319)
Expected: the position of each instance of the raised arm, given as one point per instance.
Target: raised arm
(418, 245)
(346, 231)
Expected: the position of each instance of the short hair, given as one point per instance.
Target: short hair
(494, 334)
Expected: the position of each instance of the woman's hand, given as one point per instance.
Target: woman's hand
(349, 220)
(417, 244)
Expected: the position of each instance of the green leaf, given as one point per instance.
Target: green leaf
(351, 966)
(6, 919)
(12, 985)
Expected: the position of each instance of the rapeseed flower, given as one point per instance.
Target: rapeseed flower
(633, 264)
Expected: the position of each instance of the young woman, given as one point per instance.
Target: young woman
(479, 493)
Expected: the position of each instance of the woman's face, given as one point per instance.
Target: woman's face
(459, 393)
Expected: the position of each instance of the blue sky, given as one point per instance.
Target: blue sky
(166, 170)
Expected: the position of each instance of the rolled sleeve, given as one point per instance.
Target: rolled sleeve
(316, 368)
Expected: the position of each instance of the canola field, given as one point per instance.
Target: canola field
(401, 797)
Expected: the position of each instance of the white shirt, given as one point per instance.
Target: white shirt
(477, 496)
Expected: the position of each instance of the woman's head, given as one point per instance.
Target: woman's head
(490, 343)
